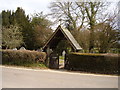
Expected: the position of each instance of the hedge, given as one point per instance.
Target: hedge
(22, 57)
(97, 63)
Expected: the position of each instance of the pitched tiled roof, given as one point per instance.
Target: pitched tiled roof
(68, 36)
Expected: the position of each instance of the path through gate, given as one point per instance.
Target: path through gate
(59, 34)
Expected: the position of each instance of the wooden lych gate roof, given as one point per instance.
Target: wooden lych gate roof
(60, 34)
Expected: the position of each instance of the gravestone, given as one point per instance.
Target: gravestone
(14, 48)
(63, 53)
(22, 48)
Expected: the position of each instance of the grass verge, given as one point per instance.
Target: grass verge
(34, 65)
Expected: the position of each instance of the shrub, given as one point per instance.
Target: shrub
(22, 57)
(97, 63)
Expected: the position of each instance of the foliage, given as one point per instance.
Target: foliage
(91, 10)
(83, 38)
(106, 37)
(79, 17)
(19, 18)
(23, 21)
(83, 19)
(22, 57)
(12, 37)
(42, 30)
(96, 63)
(5, 18)
(41, 20)
(61, 57)
(41, 35)
(36, 29)
(0, 30)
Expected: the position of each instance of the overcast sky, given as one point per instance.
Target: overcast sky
(34, 6)
(30, 6)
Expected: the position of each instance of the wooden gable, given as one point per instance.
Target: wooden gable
(60, 34)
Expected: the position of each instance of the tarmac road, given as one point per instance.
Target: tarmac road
(30, 78)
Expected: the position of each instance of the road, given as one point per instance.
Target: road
(31, 78)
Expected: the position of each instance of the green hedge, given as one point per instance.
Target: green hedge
(97, 63)
(22, 57)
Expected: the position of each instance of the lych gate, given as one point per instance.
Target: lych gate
(51, 45)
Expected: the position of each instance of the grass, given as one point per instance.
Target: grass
(33, 65)
(61, 57)
(61, 61)
(38, 65)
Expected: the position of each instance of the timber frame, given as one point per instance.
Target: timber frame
(61, 34)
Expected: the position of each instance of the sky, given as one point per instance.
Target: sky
(30, 6)
(34, 6)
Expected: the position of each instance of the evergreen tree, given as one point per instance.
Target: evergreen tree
(6, 18)
(36, 30)
(19, 18)
(23, 21)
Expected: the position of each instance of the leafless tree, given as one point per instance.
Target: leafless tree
(107, 32)
(69, 13)
(99, 23)
(92, 12)
(79, 14)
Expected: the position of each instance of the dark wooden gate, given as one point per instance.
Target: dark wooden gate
(54, 61)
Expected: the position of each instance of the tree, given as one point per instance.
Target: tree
(78, 15)
(41, 35)
(42, 30)
(20, 19)
(12, 37)
(6, 18)
(92, 11)
(0, 30)
(106, 37)
(35, 29)
(23, 21)
(69, 13)
(107, 32)
(83, 37)
(118, 15)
